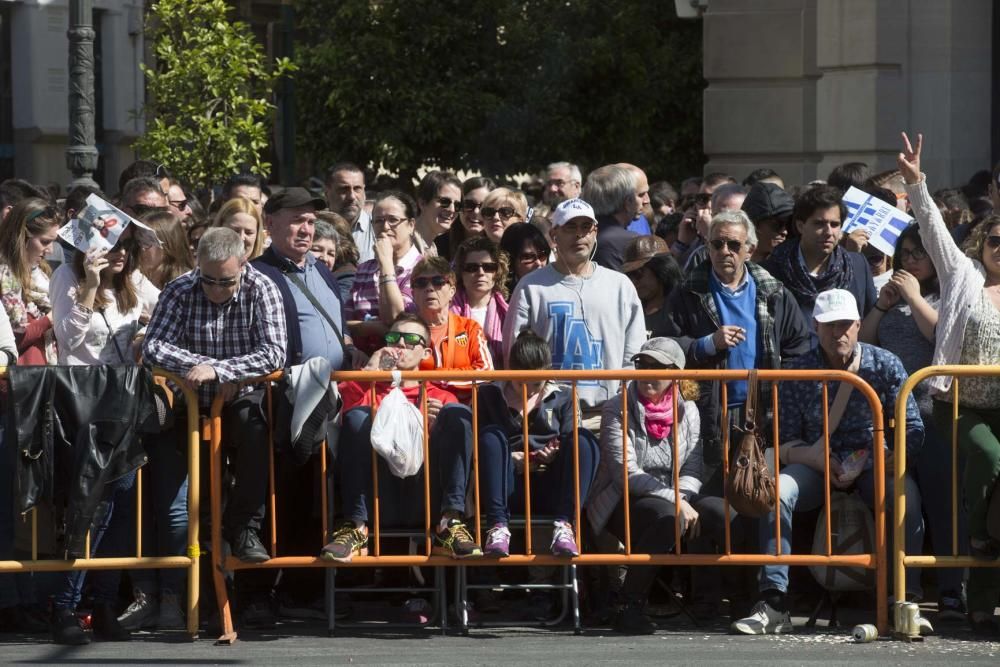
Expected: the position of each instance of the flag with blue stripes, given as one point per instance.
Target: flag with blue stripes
(882, 221)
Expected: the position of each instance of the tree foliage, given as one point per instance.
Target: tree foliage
(499, 86)
(208, 108)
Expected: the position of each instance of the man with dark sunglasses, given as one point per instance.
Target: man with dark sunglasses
(142, 195)
(407, 344)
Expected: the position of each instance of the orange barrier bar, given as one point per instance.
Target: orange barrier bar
(876, 560)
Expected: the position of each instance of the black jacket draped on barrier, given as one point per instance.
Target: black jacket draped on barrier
(76, 428)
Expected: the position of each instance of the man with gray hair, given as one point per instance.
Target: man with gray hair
(215, 327)
(562, 182)
(612, 191)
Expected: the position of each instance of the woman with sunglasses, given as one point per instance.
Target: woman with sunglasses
(439, 196)
(482, 290)
(502, 208)
(474, 191)
(967, 332)
(527, 250)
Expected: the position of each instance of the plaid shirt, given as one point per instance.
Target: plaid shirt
(363, 303)
(240, 339)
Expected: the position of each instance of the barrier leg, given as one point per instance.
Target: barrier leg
(228, 635)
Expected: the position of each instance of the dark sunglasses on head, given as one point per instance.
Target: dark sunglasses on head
(411, 340)
(473, 267)
(470, 205)
(423, 281)
(506, 212)
(993, 241)
(218, 282)
(448, 202)
(734, 246)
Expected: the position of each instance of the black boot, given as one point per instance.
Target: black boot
(632, 619)
(66, 629)
(105, 623)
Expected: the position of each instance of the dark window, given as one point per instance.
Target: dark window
(6, 97)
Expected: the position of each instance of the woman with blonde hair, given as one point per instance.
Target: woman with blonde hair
(172, 258)
(242, 216)
(502, 208)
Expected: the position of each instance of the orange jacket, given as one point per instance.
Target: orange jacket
(462, 346)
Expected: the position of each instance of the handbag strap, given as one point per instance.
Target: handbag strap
(750, 408)
(844, 392)
(301, 284)
(111, 334)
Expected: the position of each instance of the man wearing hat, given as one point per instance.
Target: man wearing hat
(590, 315)
(803, 454)
(770, 210)
(653, 270)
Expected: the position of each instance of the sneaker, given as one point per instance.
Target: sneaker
(632, 620)
(563, 540)
(951, 607)
(248, 548)
(66, 629)
(347, 543)
(455, 541)
(142, 613)
(764, 620)
(171, 617)
(498, 541)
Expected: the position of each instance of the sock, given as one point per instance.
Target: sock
(774, 598)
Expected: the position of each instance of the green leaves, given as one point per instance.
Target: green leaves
(208, 108)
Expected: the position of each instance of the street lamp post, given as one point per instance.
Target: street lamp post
(81, 153)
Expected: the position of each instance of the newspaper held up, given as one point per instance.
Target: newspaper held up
(99, 226)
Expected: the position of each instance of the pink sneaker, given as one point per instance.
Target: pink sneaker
(498, 541)
(563, 539)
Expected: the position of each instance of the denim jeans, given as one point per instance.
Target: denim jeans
(551, 489)
(401, 500)
(802, 490)
(112, 534)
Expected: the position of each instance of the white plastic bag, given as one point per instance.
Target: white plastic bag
(398, 433)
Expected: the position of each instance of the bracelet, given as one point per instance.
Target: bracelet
(386, 279)
(882, 310)
(86, 309)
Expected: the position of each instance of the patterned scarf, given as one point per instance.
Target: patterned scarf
(837, 274)
(659, 416)
(20, 303)
(496, 310)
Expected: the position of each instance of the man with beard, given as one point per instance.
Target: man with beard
(345, 194)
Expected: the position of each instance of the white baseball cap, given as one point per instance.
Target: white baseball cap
(572, 209)
(835, 305)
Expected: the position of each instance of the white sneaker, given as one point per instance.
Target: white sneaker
(764, 620)
(170, 617)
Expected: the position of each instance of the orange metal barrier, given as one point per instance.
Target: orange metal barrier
(876, 561)
(189, 561)
(900, 559)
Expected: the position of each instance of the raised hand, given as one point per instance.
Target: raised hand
(909, 160)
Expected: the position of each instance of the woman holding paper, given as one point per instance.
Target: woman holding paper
(967, 332)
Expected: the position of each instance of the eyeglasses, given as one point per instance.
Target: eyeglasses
(217, 282)
(734, 246)
(506, 212)
(916, 254)
(180, 204)
(390, 220)
(993, 241)
(423, 281)
(470, 205)
(875, 259)
(473, 267)
(142, 209)
(529, 257)
(646, 364)
(410, 340)
(448, 202)
(558, 183)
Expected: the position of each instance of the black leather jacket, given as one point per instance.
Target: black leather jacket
(76, 428)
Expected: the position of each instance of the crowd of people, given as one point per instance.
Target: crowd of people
(600, 273)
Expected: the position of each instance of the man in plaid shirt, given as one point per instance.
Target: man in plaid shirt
(217, 326)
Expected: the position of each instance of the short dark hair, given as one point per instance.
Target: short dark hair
(433, 182)
(343, 166)
(530, 352)
(240, 180)
(716, 178)
(137, 186)
(758, 175)
(661, 193)
(818, 197)
(912, 234)
(848, 174)
(476, 182)
(76, 199)
(413, 318)
(141, 168)
(13, 190)
(667, 271)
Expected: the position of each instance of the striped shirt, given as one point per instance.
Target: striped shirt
(242, 338)
(363, 303)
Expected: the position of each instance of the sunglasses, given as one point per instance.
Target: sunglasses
(719, 244)
(470, 205)
(127, 245)
(180, 204)
(423, 281)
(529, 257)
(217, 282)
(506, 212)
(410, 340)
(993, 241)
(875, 260)
(473, 267)
(142, 209)
(448, 202)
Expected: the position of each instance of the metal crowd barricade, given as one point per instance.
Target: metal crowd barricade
(188, 561)
(901, 560)
(876, 561)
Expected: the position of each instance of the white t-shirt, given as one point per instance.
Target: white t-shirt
(479, 315)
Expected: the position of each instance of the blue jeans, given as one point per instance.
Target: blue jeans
(401, 500)
(802, 490)
(113, 534)
(551, 489)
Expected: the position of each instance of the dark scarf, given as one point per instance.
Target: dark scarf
(838, 273)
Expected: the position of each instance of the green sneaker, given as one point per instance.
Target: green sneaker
(455, 541)
(347, 543)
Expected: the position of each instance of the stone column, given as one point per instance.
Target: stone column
(81, 153)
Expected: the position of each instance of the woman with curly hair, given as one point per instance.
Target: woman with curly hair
(482, 288)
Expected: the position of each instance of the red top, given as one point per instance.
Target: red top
(357, 394)
(31, 343)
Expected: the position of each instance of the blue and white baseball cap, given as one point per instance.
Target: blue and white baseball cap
(571, 209)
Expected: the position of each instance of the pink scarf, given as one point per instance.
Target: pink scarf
(659, 416)
(496, 310)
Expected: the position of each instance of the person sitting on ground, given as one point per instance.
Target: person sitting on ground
(407, 344)
(802, 453)
(552, 418)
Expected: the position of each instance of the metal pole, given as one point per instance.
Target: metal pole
(81, 153)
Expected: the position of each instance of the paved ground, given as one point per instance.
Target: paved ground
(304, 643)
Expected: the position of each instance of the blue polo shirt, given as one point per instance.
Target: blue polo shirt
(318, 337)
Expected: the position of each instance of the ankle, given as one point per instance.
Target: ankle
(774, 598)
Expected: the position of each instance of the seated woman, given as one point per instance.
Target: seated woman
(407, 343)
(653, 500)
(481, 293)
(527, 249)
(550, 459)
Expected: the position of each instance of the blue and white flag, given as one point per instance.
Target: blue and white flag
(882, 221)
